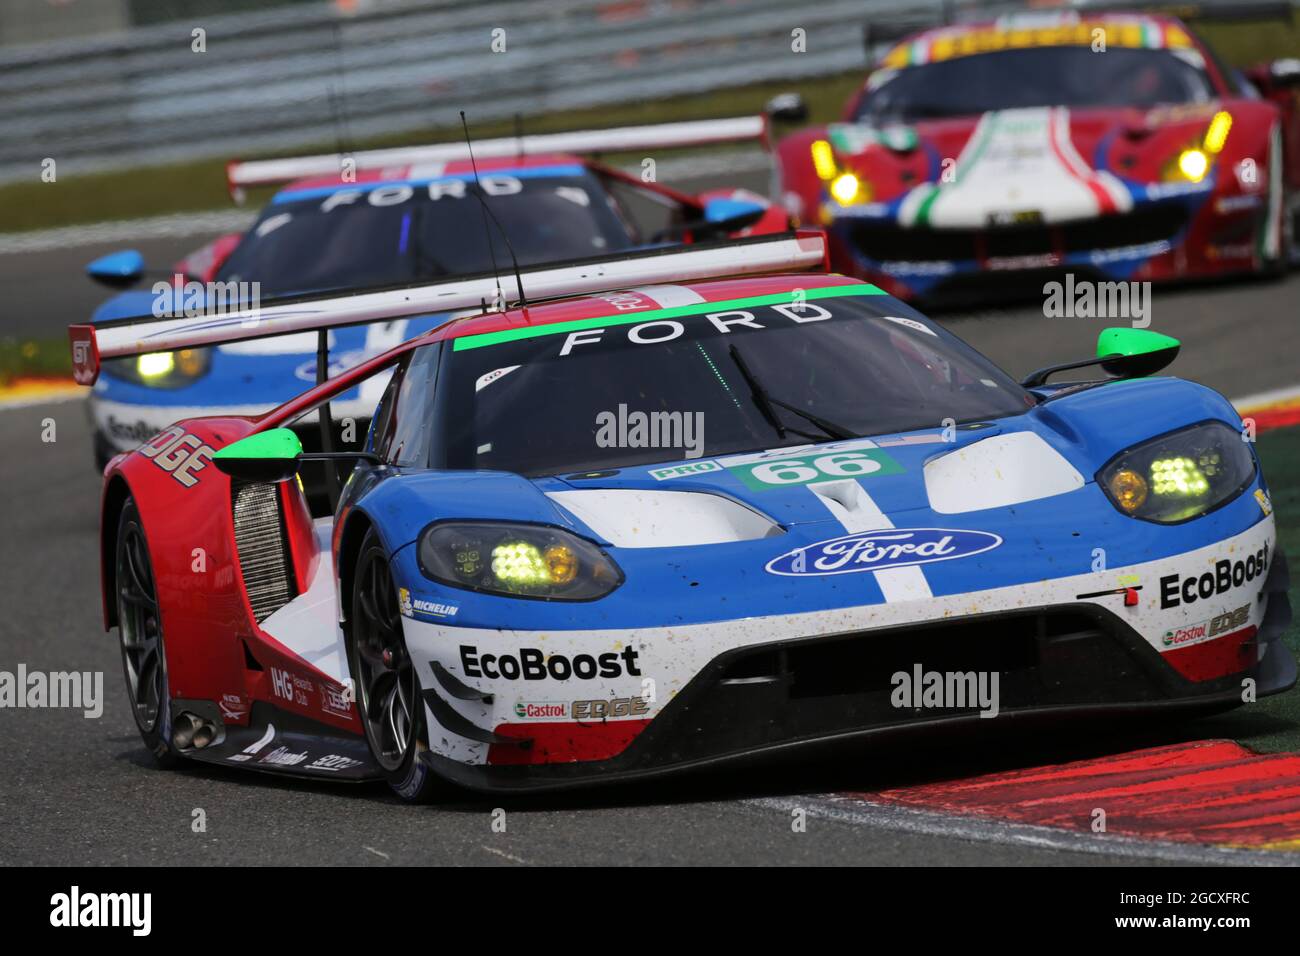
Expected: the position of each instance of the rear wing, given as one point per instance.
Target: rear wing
(1220, 11)
(241, 175)
(789, 252)
(889, 30)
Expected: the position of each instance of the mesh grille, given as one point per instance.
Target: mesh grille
(263, 551)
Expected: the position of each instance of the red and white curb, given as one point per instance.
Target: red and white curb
(1276, 409)
(1206, 801)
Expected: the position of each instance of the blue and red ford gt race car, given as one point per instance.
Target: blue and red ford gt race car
(979, 157)
(385, 217)
(679, 508)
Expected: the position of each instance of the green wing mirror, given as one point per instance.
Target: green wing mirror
(266, 456)
(1121, 353)
(1133, 353)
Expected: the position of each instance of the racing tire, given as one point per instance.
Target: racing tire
(388, 692)
(140, 638)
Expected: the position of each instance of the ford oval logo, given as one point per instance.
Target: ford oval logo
(887, 548)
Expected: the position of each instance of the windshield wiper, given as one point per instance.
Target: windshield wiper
(766, 403)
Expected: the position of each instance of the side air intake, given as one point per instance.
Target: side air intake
(262, 546)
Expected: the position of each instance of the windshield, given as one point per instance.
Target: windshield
(355, 237)
(1042, 76)
(570, 399)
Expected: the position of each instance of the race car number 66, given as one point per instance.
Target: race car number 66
(179, 453)
(790, 471)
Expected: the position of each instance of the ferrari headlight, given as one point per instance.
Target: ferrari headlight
(1193, 164)
(162, 369)
(846, 188)
(518, 560)
(1217, 132)
(823, 157)
(1181, 475)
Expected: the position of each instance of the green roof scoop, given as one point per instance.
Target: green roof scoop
(265, 456)
(1133, 353)
(1121, 353)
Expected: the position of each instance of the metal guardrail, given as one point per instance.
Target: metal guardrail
(308, 75)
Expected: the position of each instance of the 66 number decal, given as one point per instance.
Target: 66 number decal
(805, 469)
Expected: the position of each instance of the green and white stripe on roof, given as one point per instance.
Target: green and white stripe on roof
(484, 339)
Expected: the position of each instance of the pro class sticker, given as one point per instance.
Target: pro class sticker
(877, 550)
(684, 471)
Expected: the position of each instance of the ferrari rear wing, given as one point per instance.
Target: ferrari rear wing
(265, 172)
(789, 252)
(895, 28)
(1222, 11)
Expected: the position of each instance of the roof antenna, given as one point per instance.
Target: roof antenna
(339, 100)
(487, 213)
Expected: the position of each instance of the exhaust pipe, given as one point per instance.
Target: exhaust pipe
(191, 730)
(187, 725)
(203, 735)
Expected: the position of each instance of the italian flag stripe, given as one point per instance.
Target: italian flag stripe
(980, 140)
(1063, 149)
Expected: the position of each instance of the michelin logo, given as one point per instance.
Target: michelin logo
(413, 606)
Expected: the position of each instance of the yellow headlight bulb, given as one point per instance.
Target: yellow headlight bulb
(823, 157)
(520, 563)
(155, 364)
(1129, 489)
(1217, 134)
(1194, 164)
(845, 188)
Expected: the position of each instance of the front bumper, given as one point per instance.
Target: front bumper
(1159, 241)
(1071, 660)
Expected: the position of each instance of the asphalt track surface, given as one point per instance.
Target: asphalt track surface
(83, 791)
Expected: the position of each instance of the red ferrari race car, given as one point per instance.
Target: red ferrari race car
(1114, 145)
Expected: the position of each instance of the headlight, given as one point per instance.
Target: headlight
(1181, 475)
(519, 560)
(823, 157)
(845, 187)
(1193, 163)
(162, 369)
